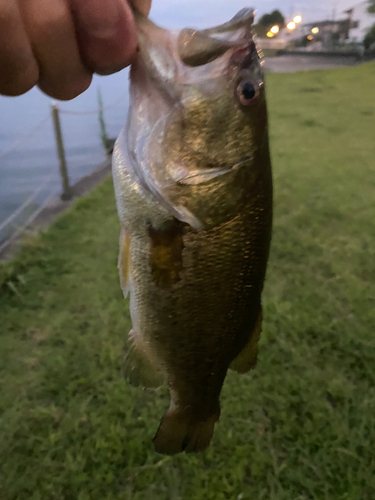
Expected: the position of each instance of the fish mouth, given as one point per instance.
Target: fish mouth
(197, 48)
(171, 56)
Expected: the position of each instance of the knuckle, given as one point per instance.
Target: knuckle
(48, 21)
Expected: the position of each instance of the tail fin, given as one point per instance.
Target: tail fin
(178, 432)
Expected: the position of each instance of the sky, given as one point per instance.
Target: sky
(208, 12)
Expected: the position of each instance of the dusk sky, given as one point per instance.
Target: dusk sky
(169, 12)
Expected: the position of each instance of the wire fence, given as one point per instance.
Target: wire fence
(82, 143)
(20, 141)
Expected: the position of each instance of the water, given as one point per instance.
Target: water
(34, 160)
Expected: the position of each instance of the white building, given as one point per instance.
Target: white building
(361, 21)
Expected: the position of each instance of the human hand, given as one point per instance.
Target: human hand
(59, 44)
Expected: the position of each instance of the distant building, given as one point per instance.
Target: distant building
(328, 33)
(360, 21)
(351, 29)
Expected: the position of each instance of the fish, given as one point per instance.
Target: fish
(193, 185)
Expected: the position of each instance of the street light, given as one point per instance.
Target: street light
(315, 31)
(275, 30)
(297, 19)
(270, 34)
(291, 26)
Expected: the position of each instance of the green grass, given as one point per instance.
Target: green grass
(301, 426)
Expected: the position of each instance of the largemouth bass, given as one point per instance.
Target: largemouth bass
(193, 186)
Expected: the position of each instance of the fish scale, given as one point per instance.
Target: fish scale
(193, 185)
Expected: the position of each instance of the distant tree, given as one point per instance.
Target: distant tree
(369, 39)
(275, 18)
(266, 22)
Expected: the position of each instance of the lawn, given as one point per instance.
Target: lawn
(300, 426)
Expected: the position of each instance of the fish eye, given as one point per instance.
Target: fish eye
(248, 92)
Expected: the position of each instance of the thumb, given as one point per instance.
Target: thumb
(142, 5)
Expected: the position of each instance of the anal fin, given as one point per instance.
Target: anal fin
(247, 358)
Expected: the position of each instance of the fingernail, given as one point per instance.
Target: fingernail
(101, 19)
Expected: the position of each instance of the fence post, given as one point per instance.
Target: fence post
(106, 142)
(67, 192)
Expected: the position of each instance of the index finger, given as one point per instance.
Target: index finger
(18, 68)
(105, 32)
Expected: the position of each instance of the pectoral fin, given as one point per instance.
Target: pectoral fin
(166, 245)
(124, 262)
(185, 176)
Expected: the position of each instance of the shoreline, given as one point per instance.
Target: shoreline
(58, 206)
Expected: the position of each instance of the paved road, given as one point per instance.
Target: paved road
(291, 64)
